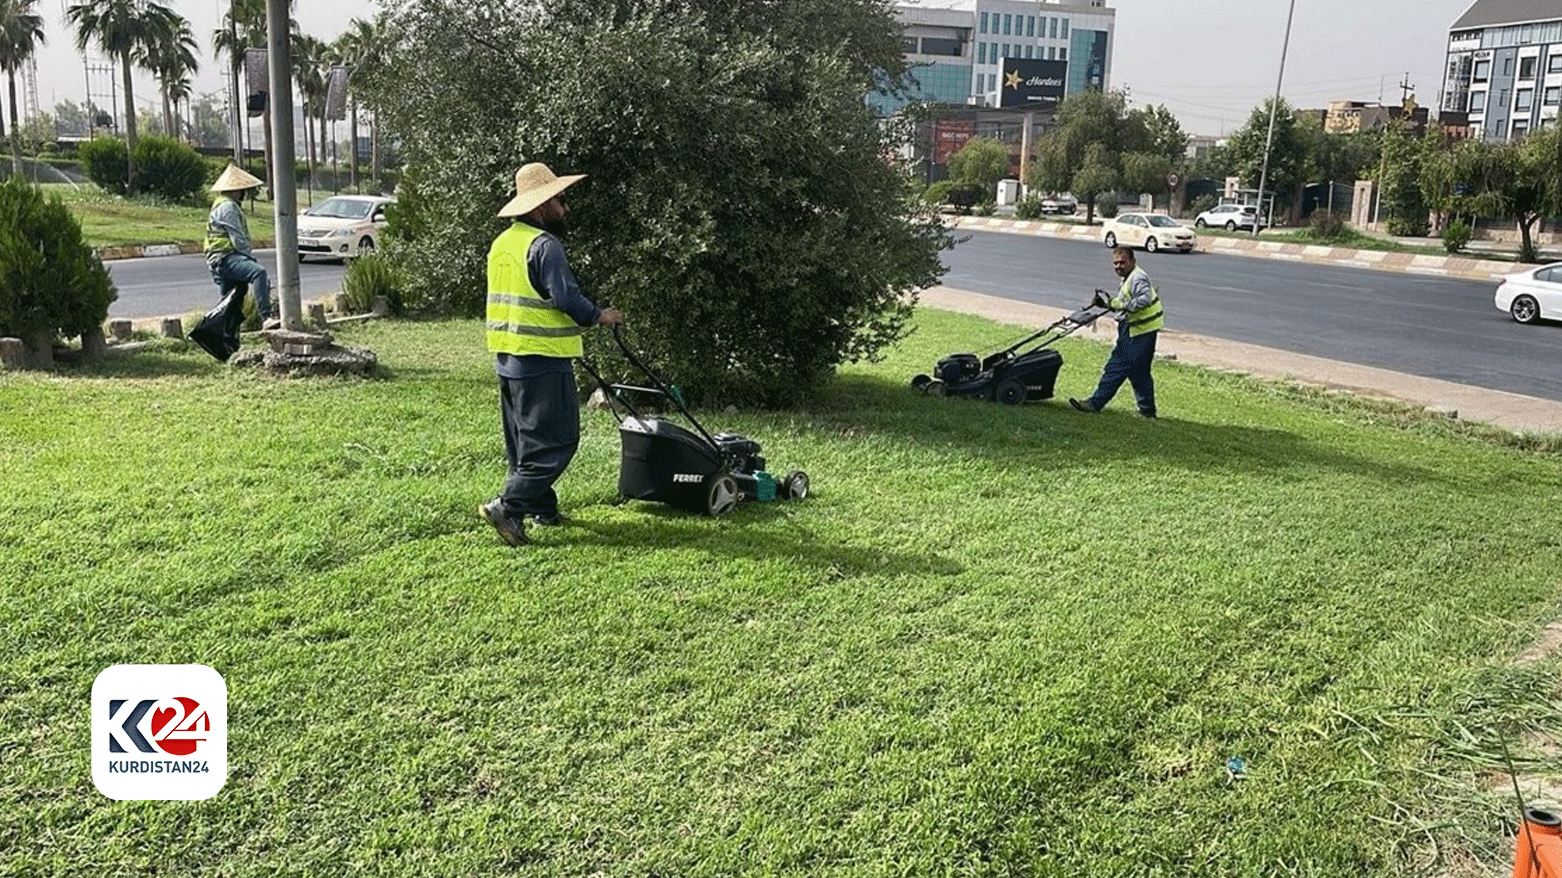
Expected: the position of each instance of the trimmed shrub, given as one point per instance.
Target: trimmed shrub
(51, 283)
(1456, 235)
(1106, 205)
(106, 162)
(370, 276)
(1028, 207)
(169, 169)
(1327, 226)
(1202, 203)
(938, 193)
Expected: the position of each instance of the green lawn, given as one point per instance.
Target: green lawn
(995, 642)
(109, 220)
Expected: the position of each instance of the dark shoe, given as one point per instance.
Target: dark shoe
(511, 530)
(1147, 414)
(553, 520)
(1082, 406)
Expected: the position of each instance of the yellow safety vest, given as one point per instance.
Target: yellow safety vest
(217, 240)
(520, 320)
(1147, 319)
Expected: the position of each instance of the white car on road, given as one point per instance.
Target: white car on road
(1152, 231)
(1535, 294)
(1228, 216)
(342, 226)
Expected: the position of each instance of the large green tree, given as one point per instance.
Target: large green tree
(21, 33)
(1096, 145)
(982, 161)
(124, 30)
(744, 207)
(1291, 152)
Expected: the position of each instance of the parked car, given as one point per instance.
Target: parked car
(1152, 231)
(1228, 216)
(1063, 203)
(1532, 295)
(342, 226)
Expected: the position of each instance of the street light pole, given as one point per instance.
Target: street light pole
(1263, 177)
(285, 207)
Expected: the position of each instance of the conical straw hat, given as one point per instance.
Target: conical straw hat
(234, 179)
(535, 183)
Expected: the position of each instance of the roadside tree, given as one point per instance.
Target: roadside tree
(124, 30)
(1098, 147)
(983, 162)
(21, 33)
(743, 206)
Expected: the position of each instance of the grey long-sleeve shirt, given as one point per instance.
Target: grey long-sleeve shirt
(227, 218)
(550, 275)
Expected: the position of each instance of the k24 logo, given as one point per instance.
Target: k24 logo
(175, 726)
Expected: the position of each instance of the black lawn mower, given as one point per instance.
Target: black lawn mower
(1024, 371)
(695, 470)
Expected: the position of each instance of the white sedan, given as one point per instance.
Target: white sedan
(1152, 231)
(1532, 295)
(342, 226)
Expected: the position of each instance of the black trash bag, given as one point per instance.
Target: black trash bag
(218, 331)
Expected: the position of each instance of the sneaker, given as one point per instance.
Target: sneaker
(1082, 406)
(511, 530)
(271, 323)
(1144, 414)
(553, 520)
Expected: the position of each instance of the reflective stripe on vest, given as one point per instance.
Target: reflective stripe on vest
(1147, 319)
(217, 241)
(520, 320)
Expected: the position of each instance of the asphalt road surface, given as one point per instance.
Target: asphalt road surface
(163, 286)
(1429, 326)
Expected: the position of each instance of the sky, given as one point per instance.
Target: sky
(1209, 61)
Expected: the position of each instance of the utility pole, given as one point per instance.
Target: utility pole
(285, 204)
(1263, 177)
(1405, 88)
(236, 101)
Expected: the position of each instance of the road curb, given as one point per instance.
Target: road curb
(1376, 260)
(137, 251)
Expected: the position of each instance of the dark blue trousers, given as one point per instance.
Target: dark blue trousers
(1131, 359)
(541, 417)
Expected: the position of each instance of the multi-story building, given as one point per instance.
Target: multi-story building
(956, 47)
(1505, 67)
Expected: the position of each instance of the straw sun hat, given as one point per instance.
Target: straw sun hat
(235, 179)
(535, 183)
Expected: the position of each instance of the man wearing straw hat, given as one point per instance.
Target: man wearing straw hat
(228, 251)
(536, 315)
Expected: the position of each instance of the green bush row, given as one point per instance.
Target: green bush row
(164, 166)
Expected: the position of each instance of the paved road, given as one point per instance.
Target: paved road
(160, 286)
(1432, 327)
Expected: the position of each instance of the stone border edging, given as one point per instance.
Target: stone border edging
(1378, 260)
(135, 251)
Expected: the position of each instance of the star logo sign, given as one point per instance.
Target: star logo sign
(1011, 79)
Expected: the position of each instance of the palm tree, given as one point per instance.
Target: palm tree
(21, 32)
(172, 61)
(359, 48)
(123, 29)
(311, 57)
(244, 26)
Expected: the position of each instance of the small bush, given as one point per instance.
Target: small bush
(1327, 226)
(937, 192)
(1106, 205)
(371, 276)
(106, 162)
(1028, 207)
(1456, 236)
(169, 169)
(1415, 226)
(51, 283)
(1203, 203)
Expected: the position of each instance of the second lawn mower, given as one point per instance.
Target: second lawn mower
(1026, 370)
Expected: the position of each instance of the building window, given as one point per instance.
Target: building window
(941, 46)
(1052, 53)
(1507, 66)
(1553, 96)
(1482, 71)
(1030, 51)
(1555, 64)
(1527, 68)
(1520, 128)
(1030, 25)
(1526, 99)
(908, 45)
(1007, 21)
(1062, 54)
(1502, 98)
(1052, 26)
(1006, 52)
(1065, 28)
(1477, 102)
(982, 26)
